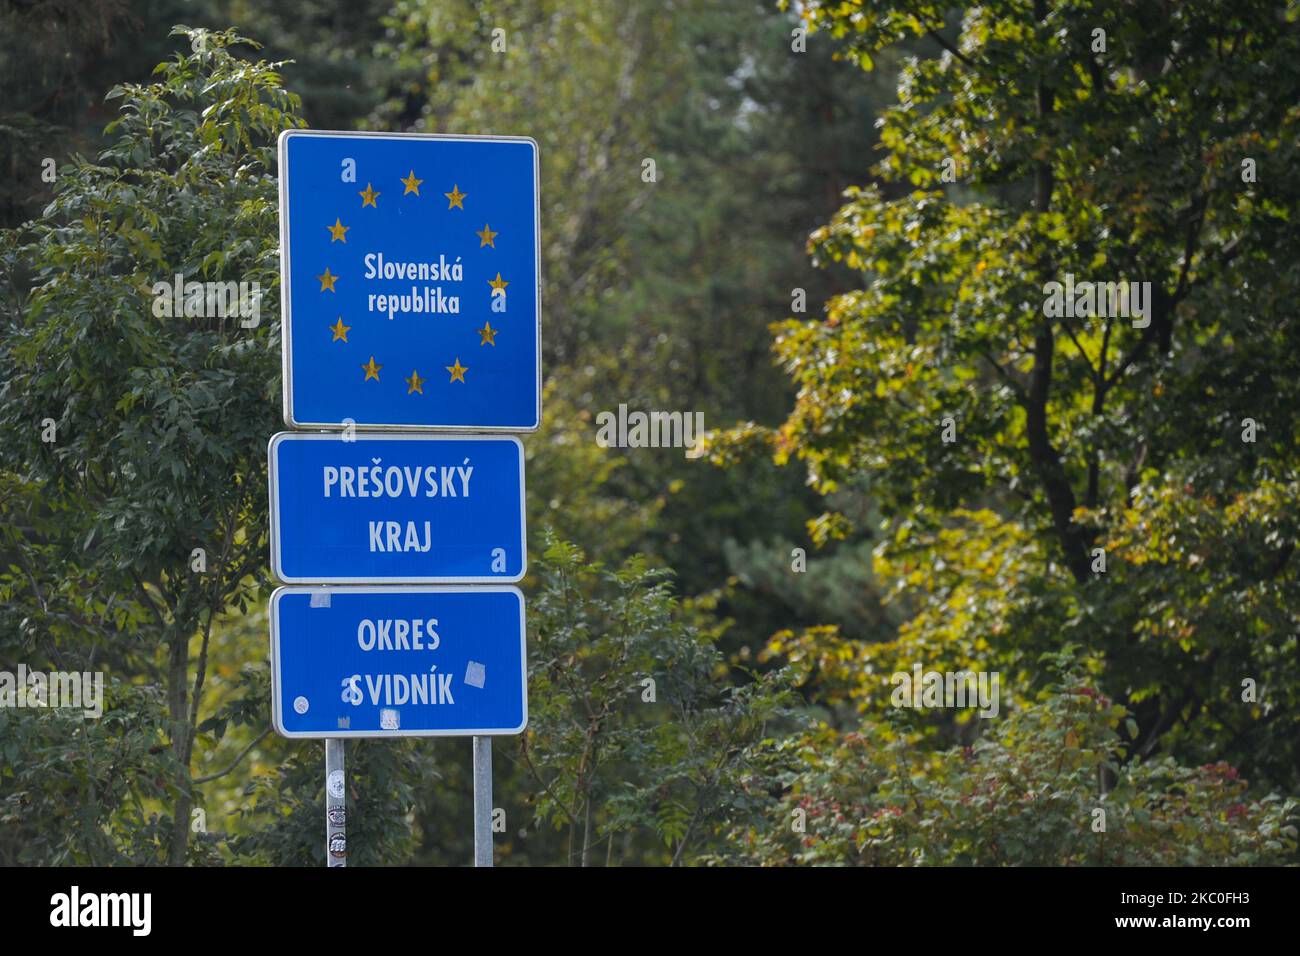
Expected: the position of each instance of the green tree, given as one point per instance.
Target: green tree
(635, 738)
(1015, 450)
(158, 424)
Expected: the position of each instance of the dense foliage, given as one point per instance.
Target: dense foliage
(1050, 476)
(982, 485)
(1047, 786)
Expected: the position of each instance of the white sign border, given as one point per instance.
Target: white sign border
(277, 568)
(277, 715)
(286, 328)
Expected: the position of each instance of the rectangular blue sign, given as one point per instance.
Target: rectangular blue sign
(396, 509)
(410, 269)
(398, 662)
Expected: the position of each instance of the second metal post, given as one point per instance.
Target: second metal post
(482, 801)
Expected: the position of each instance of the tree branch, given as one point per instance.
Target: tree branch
(1047, 462)
(234, 763)
(1006, 376)
(939, 39)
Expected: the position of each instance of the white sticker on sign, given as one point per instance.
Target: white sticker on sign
(475, 674)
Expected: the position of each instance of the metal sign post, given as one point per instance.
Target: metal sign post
(336, 840)
(482, 801)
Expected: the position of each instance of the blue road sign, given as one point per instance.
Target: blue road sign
(410, 268)
(398, 662)
(397, 509)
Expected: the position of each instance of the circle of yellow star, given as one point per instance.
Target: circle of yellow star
(338, 231)
(457, 371)
(456, 198)
(368, 197)
(486, 237)
(498, 284)
(487, 335)
(340, 330)
(327, 281)
(411, 183)
(371, 370)
(415, 382)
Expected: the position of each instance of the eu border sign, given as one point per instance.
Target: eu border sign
(410, 268)
(398, 662)
(396, 508)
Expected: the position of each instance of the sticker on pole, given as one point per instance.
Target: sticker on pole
(410, 268)
(396, 509)
(399, 662)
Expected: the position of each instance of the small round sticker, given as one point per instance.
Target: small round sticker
(300, 705)
(335, 784)
(338, 845)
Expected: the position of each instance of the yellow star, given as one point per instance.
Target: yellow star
(416, 383)
(327, 281)
(412, 186)
(457, 371)
(371, 370)
(368, 197)
(340, 330)
(456, 197)
(487, 334)
(498, 284)
(338, 231)
(486, 237)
